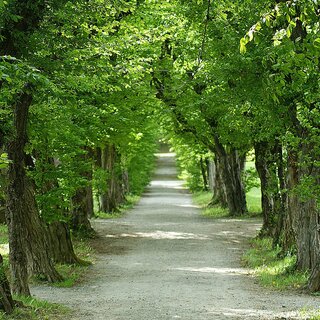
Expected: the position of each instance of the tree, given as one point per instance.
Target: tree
(22, 216)
(290, 37)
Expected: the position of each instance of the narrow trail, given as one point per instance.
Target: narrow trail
(164, 261)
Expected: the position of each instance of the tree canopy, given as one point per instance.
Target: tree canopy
(87, 88)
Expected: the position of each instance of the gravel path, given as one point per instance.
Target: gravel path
(164, 261)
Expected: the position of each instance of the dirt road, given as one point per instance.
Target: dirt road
(164, 261)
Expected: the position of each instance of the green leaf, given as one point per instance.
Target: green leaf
(243, 48)
(316, 43)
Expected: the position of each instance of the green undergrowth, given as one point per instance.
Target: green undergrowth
(131, 201)
(34, 309)
(253, 197)
(272, 269)
(74, 273)
(3, 234)
(203, 198)
(316, 316)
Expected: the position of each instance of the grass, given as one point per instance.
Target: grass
(73, 274)
(131, 200)
(315, 316)
(34, 309)
(254, 200)
(201, 199)
(272, 270)
(3, 234)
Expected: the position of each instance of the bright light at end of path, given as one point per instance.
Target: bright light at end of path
(165, 155)
(174, 184)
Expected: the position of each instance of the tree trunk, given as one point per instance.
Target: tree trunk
(267, 202)
(219, 189)
(59, 238)
(125, 180)
(231, 166)
(80, 219)
(303, 206)
(6, 301)
(82, 205)
(305, 217)
(90, 207)
(27, 238)
(204, 174)
(211, 174)
(269, 165)
(114, 195)
(283, 235)
(61, 247)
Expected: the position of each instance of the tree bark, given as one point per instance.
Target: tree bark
(27, 238)
(262, 161)
(305, 217)
(211, 172)
(219, 189)
(270, 168)
(231, 167)
(61, 247)
(81, 203)
(114, 195)
(204, 174)
(80, 218)
(6, 301)
(303, 206)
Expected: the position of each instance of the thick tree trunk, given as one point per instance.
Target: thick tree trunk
(204, 174)
(219, 189)
(80, 218)
(114, 195)
(61, 246)
(211, 172)
(231, 167)
(59, 238)
(303, 205)
(262, 161)
(27, 237)
(6, 301)
(305, 217)
(82, 204)
(89, 174)
(90, 207)
(125, 181)
(269, 165)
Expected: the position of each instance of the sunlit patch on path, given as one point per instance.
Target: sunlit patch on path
(220, 270)
(160, 235)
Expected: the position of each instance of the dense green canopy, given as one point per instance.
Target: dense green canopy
(105, 79)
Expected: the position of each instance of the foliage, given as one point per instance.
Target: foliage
(272, 269)
(251, 179)
(131, 200)
(203, 199)
(110, 73)
(254, 201)
(189, 155)
(34, 309)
